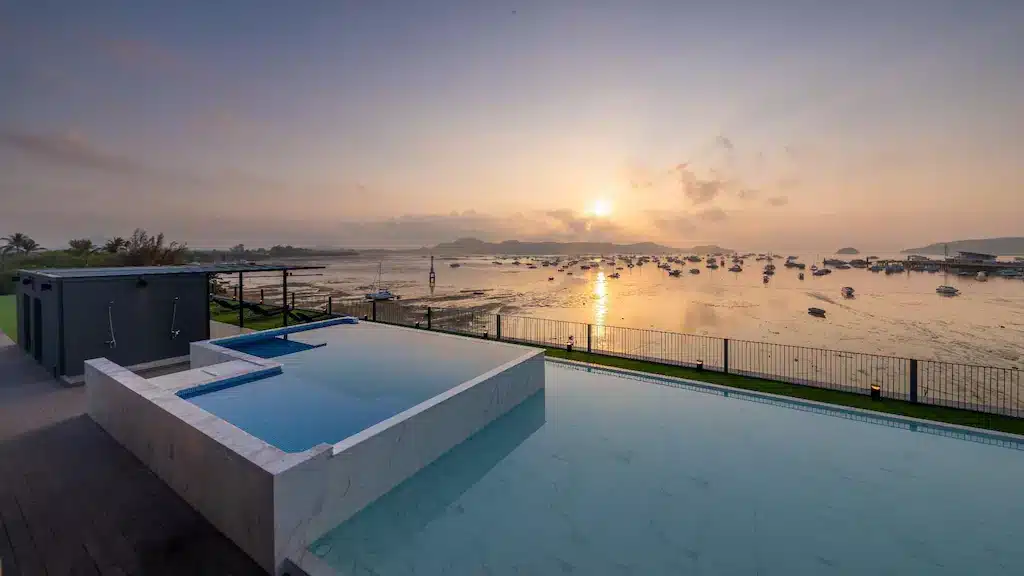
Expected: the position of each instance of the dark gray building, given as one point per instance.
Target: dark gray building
(130, 315)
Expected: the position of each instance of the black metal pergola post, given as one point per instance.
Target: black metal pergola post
(241, 302)
(284, 297)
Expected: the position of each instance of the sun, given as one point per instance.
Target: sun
(601, 208)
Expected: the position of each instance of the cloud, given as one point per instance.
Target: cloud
(713, 214)
(570, 224)
(777, 201)
(699, 190)
(71, 149)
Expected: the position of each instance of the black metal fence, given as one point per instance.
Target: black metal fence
(987, 389)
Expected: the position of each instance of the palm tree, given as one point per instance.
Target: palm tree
(82, 246)
(15, 242)
(115, 245)
(30, 245)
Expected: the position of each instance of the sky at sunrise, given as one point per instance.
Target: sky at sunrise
(759, 124)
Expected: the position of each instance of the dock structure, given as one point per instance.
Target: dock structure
(958, 264)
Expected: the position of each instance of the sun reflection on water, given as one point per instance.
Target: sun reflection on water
(600, 297)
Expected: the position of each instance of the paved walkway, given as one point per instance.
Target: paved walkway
(73, 501)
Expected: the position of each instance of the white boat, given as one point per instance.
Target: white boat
(379, 292)
(982, 277)
(947, 291)
(847, 292)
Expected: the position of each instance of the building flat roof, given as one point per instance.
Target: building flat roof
(119, 271)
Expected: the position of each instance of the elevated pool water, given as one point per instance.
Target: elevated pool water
(339, 380)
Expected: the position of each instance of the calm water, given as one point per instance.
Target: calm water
(603, 474)
(352, 377)
(898, 315)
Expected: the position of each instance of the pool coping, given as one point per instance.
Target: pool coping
(869, 414)
(274, 503)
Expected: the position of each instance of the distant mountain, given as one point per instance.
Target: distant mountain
(847, 251)
(997, 246)
(707, 249)
(515, 247)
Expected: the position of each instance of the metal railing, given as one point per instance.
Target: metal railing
(995, 390)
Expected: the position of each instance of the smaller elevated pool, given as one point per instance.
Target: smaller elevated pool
(302, 427)
(339, 380)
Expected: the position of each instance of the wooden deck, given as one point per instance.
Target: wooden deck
(73, 501)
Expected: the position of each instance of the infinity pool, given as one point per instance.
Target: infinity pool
(611, 474)
(339, 380)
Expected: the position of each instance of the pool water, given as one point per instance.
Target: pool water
(607, 474)
(339, 380)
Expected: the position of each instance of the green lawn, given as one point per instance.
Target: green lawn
(252, 320)
(9, 317)
(899, 407)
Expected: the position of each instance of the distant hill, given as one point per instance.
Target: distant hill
(708, 249)
(515, 247)
(847, 251)
(998, 246)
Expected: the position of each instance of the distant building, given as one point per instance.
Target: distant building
(975, 257)
(918, 258)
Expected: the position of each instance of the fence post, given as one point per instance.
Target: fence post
(330, 305)
(373, 304)
(293, 300)
(261, 295)
(589, 330)
(429, 318)
(725, 355)
(497, 328)
(913, 381)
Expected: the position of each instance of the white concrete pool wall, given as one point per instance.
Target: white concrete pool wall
(272, 503)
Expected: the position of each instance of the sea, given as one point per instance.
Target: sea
(890, 314)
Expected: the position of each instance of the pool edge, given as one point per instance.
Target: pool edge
(868, 414)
